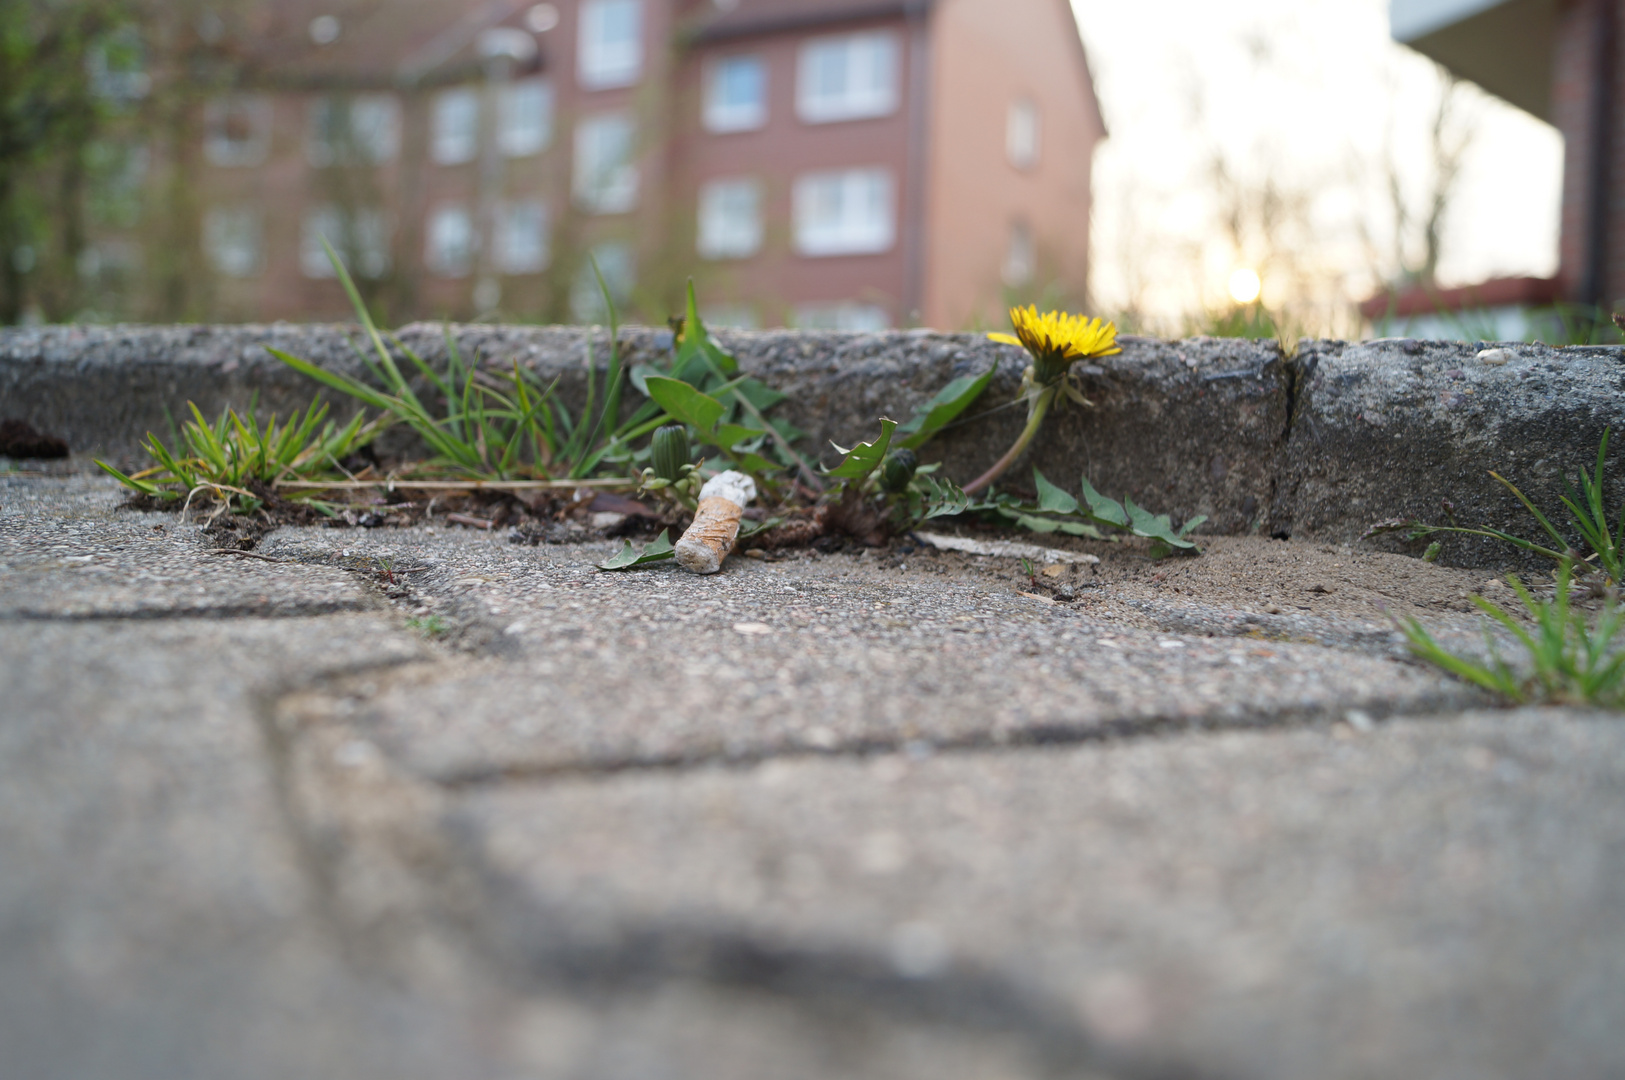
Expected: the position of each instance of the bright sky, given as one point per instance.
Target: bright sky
(1306, 93)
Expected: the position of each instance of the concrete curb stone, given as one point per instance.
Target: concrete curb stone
(1318, 445)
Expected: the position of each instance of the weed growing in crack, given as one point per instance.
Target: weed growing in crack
(1570, 660)
(430, 626)
(1589, 522)
(236, 461)
(493, 427)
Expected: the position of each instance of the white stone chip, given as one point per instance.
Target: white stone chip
(736, 487)
(1007, 548)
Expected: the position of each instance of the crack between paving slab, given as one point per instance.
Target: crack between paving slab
(210, 611)
(1059, 735)
(517, 943)
(545, 947)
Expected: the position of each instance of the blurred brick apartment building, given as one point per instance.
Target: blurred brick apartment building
(1561, 61)
(825, 163)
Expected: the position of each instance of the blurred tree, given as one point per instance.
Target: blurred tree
(63, 65)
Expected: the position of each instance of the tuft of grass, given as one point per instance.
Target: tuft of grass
(223, 461)
(492, 427)
(1588, 518)
(1570, 660)
(430, 626)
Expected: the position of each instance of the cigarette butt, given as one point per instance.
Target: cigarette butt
(716, 523)
(709, 540)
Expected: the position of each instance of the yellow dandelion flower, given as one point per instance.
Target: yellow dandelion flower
(1055, 340)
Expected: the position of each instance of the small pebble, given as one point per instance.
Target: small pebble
(1494, 357)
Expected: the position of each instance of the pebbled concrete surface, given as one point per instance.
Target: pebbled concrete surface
(825, 816)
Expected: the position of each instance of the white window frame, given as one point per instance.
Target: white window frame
(439, 261)
(449, 143)
(617, 261)
(724, 116)
(514, 252)
(525, 117)
(223, 228)
(222, 150)
(368, 228)
(373, 122)
(1024, 134)
(723, 232)
(874, 53)
(1021, 256)
(603, 64)
(845, 212)
(604, 186)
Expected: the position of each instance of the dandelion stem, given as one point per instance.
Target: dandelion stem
(1035, 419)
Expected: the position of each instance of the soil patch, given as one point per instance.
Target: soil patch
(1241, 573)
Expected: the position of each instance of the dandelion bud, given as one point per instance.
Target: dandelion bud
(671, 452)
(898, 470)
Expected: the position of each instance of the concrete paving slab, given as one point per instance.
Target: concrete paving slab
(1431, 899)
(67, 551)
(811, 655)
(158, 916)
(511, 817)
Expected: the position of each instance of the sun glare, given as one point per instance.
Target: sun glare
(1245, 286)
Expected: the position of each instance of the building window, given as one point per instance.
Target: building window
(1021, 258)
(844, 213)
(455, 126)
(118, 175)
(450, 241)
(360, 238)
(736, 94)
(847, 315)
(237, 131)
(231, 237)
(117, 66)
(730, 316)
(606, 180)
(525, 117)
(1021, 134)
(847, 78)
(610, 51)
(730, 225)
(615, 262)
(520, 242)
(364, 129)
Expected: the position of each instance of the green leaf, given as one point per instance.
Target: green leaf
(685, 403)
(139, 485)
(759, 394)
(640, 375)
(658, 549)
(950, 401)
(1051, 499)
(1155, 526)
(944, 498)
(864, 458)
(728, 436)
(1107, 510)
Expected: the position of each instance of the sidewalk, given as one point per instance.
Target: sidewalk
(278, 815)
